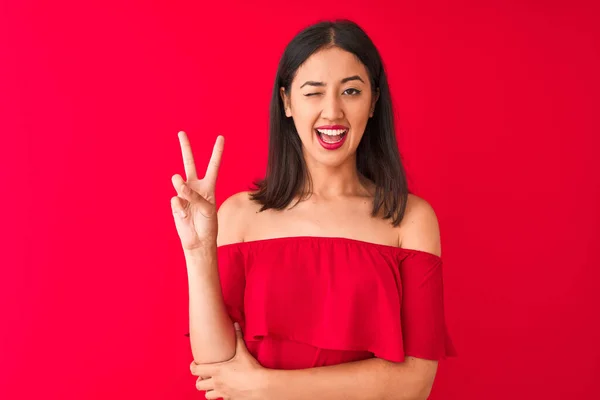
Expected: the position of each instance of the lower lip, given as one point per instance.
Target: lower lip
(331, 146)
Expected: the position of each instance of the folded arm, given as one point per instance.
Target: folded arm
(374, 379)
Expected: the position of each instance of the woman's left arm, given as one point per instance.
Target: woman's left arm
(374, 378)
(243, 378)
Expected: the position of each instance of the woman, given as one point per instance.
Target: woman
(330, 268)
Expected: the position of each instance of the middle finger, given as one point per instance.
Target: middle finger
(205, 384)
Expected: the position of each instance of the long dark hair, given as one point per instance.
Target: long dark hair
(377, 155)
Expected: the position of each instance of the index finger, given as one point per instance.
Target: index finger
(215, 160)
(188, 157)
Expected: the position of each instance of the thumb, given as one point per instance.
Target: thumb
(238, 331)
(240, 344)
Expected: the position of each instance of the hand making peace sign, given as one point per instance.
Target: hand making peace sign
(194, 206)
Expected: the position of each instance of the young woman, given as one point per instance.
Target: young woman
(330, 268)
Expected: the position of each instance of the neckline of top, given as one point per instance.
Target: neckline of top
(330, 238)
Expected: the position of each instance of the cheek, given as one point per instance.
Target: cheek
(358, 116)
(361, 109)
(305, 118)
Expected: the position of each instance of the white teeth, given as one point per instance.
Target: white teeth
(332, 132)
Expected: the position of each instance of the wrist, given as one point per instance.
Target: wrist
(268, 380)
(201, 252)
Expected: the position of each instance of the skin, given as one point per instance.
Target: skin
(339, 205)
(350, 104)
(195, 217)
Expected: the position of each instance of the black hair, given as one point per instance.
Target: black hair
(377, 155)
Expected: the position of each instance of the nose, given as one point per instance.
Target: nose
(332, 108)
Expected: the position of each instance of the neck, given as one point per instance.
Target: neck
(332, 182)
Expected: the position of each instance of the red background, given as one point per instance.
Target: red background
(497, 108)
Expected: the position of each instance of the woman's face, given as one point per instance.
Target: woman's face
(331, 101)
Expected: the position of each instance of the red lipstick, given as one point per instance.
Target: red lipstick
(332, 127)
(332, 142)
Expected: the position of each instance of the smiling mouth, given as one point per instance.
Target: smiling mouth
(331, 135)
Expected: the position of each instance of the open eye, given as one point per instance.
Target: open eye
(353, 92)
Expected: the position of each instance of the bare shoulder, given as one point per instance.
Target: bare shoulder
(420, 229)
(233, 215)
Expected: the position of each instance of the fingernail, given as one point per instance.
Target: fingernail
(236, 325)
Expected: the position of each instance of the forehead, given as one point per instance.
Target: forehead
(330, 66)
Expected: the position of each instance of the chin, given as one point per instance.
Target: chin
(334, 159)
(330, 158)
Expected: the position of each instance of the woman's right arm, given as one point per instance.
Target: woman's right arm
(212, 334)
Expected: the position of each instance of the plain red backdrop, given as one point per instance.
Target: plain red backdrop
(497, 108)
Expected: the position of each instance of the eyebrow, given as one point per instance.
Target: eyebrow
(348, 79)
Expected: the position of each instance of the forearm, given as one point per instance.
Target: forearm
(372, 379)
(212, 335)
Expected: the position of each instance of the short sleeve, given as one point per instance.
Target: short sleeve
(232, 277)
(424, 330)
